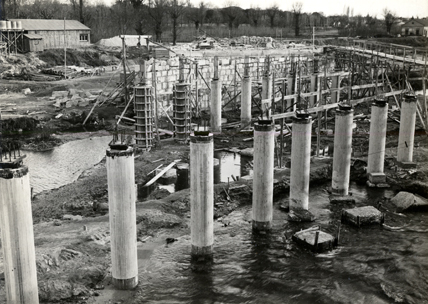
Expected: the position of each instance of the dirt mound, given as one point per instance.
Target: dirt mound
(87, 57)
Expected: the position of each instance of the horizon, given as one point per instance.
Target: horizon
(414, 8)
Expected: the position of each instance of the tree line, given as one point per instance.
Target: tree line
(173, 18)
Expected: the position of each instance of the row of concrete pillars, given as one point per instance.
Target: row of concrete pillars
(15, 198)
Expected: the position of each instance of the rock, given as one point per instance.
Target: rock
(57, 223)
(102, 207)
(405, 201)
(72, 217)
(26, 91)
(300, 216)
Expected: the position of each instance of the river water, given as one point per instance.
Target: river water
(64, 164)
(371, 264)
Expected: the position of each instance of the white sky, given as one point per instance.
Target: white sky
(403, 8)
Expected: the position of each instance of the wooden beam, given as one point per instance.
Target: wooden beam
(159, 175)
(334, 105)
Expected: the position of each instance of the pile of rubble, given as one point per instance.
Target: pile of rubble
(73, 98)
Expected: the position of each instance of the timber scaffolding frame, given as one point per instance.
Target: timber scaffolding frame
(11, 41)
(311, 82)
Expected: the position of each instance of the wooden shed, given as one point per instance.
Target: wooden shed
(33, 43)
(57, 32)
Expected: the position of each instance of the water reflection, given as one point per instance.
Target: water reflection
(64, 164)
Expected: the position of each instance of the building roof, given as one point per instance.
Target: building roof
(33, 36)
(423, 22)
(50, 25)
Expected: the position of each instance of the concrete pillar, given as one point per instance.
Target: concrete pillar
(377, 140)
(202, 193)
(342, 150)
(267, 86)
(264, 134)
(290, 91)
(216, 105)
(246, 102)
(17, 234)
(300, 162)
(335, 85)
(313, 99)
(122, 216)
(406, 135)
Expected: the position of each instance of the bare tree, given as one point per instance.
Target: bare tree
(272, 12)
(390, 18)
(232, 14)
(297, 12)
(176, 10)
(254, 14)
(157, 11)
(197, 14)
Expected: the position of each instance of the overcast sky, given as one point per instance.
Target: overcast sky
(403, 8)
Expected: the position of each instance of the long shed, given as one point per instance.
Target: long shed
(52, 32)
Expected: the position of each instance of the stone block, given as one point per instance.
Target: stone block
(361, 216)
(377, 178)
(315, 239)
(405, 165)
(406, 200)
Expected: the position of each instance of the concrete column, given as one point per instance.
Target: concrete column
(267, 86)
(264, 134)
(377, 139)
(290, 91)
(406, 135)
(313, 99)
(202, 193)
(122, 216)
(335, 85)
(17, 235)
(216, 105)
(246, 102)
(300, 162)
(342, 150)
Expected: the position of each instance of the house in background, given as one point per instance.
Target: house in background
(52, 31)
(415, 27)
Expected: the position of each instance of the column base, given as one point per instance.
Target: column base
(405, 165)
(200, 252)
(261, 226)
(377, 178)
(339, 192)
(125, 284)
(379, 185)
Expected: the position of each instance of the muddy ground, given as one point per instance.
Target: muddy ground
(71, 222)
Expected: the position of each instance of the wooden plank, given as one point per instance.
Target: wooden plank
(159, 175)
(334, 105)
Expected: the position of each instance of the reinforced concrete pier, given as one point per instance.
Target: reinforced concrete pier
(264, 134)
(342, 150)
(406, 135)
(202, 193)
(377, 140)
(300, 162)
(122, 216)
(17, 234)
